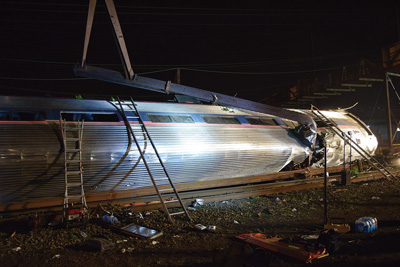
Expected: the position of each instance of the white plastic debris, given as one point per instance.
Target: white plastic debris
(294, 209)
(123, 250)
(211, 228)
(122, 241)
(200, 227)
(129, 250)
(376, 198)
(16, 249)
(154, 242)
(198, 202)
(56, 256)
(278, 199)
(235, 222)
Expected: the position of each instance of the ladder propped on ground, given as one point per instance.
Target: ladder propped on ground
(72, 134)
(369, 158)
(168, 188)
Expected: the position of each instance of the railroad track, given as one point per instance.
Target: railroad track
(209, 191)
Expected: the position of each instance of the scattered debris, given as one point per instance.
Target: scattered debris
(13, 234)
(16, 249)
(337, 224)
(309, 237)
(366, 224)
(123, 250)
(122, 241)
(110, 219)
(375, 198)
(295, 250)
(191, 208)
(235, 222)
(139, 231)
(84, 235)
(330, 240)
(198, 202)
(200, 227)
(211, 228)
(129, 250)
(147, 213)
(294, 209)
(154, 242)
(57, 256)
(278, 199)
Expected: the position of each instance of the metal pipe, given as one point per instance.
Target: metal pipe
(389, 119)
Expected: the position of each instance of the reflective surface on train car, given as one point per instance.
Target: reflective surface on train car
(354, 128)
(200, 143)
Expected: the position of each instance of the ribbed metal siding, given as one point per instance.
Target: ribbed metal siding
(32, 160)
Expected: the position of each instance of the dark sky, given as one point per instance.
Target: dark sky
(252, 48)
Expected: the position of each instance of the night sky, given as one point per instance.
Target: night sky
(249, 48)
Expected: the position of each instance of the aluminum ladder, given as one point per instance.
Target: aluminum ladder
(72, 134)
(170, 188)
(369, 158)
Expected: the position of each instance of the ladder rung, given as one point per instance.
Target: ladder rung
(166, 189)
(75, 196)
(72, 139)
(74, 184)
(132, 117)
(71, 128)
(73, 172)
(72, 150)
(176, 213)
(170, 201)
(73, 160)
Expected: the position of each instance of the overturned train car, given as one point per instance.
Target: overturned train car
(195, 142)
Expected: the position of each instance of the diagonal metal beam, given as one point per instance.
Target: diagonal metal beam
(168, 87)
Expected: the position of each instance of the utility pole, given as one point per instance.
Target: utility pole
(389, 112)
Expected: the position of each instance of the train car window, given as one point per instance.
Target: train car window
(5, 115)
(170, 118)
(291, 124)
(22, 116)
(182, 119)
(268, 121)
(212, 119)
(261, 121)
(100, 117)
(230, 120)
(159, 118)
(220, 120)
(254, 121)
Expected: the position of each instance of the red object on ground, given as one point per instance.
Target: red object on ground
(75, 211)
(295, 250)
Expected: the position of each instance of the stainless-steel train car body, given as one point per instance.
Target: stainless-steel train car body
(353, 128)
(196, 143)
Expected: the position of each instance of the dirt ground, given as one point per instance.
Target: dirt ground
(284, 215)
